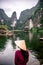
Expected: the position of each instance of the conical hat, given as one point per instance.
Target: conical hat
(21, 44)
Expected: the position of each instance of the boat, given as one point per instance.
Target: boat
(4, 32)
(41, 39)
(9, 33)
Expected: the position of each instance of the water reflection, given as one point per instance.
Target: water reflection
(7, 56)
(32, 41)
(30, 36)
(37, 46)
(2, 42)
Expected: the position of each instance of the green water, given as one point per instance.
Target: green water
(35, 44)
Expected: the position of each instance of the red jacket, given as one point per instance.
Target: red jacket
(19, 60)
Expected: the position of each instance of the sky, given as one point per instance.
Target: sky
(10, 6)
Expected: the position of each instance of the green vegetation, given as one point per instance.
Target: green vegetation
(4, 27)
(34, 29)
(3, 40)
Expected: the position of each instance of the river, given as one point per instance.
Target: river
(8, 48)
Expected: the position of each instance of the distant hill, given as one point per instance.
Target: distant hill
(4, 17)
(28, 13)
(41, 3)
(41, 0)
(7, 20)
(13, 17)
(25, 15)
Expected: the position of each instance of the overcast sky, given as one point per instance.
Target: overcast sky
(10, 6)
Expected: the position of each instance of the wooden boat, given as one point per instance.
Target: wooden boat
(4, 32)
(9, 33)
(41, 39)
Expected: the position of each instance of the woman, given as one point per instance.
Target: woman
(22, 55)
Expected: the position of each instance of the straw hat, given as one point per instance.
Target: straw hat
(21, 44)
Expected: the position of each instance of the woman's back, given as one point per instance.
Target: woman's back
(21, 57)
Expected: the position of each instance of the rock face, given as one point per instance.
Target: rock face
(3, 15)
(41, 3)
(14, 17)
(38, 18)
(24, 16)
(6, 19)
(28, 13)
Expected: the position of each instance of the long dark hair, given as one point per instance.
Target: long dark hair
(25, 54)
